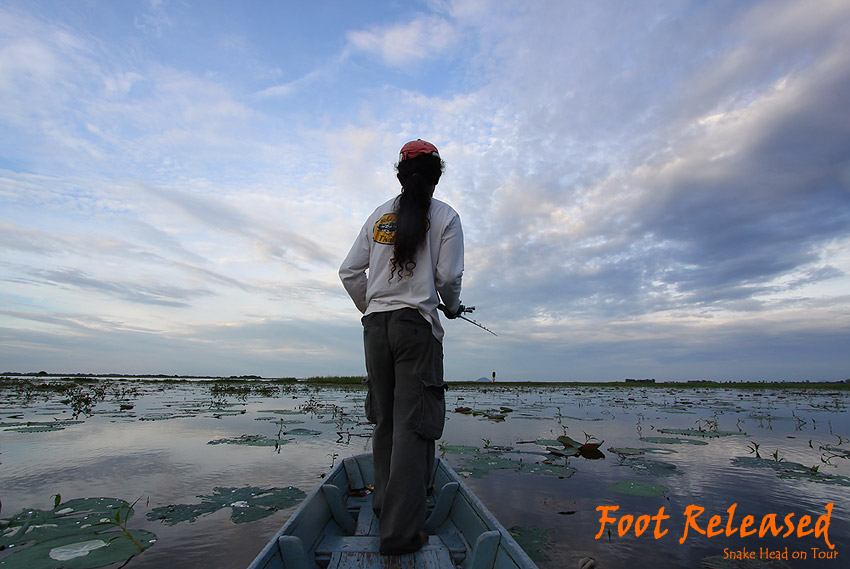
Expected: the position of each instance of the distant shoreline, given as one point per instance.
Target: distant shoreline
(357, 380)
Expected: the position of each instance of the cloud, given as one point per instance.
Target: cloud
(159, 294)
(422, 38)
(636, 185)
(270, 347)
(153, 20)
(278, 243)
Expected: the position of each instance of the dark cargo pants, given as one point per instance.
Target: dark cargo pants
(406, 401)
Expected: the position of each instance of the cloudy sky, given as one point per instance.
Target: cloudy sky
(648, 189)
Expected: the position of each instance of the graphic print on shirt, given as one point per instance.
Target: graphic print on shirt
(385, 229)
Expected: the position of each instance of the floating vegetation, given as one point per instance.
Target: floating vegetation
(638, 488)
(533, 540)
(699, 433)
(242, 389)
(680, 410)
(77, 534)
(163, 416)
(672, 441)
(481, 464)
(649, 467)
(802, 427)
(541, 442)
(792, 470)
(547, 468)
(570, 446)
(476, 463)
(627, 451)
(497, 415)
(303, 432)
(624, 451)
(247, 504)
(249, 440)
(39, 426)
(219, 413)
(458, 449)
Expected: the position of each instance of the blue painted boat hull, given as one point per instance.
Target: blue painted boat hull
(334, 528)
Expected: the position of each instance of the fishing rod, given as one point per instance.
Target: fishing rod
(468, 309)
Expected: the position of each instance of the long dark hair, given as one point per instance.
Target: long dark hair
(418, 176)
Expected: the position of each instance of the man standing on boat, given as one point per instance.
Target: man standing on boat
(412, 246)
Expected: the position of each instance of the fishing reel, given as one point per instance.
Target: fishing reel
(465, 310)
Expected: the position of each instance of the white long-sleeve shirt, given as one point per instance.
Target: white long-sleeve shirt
(439, 266)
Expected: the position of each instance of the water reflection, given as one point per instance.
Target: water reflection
(159, 450)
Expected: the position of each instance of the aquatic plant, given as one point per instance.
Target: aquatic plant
(708, 425)
(247, 504)
(701, 433)
(119, 521)
(792, 470)
(649, 467)
(249, 440)
(639, 488)
(69, 535)
(533, 540)
(672, 441)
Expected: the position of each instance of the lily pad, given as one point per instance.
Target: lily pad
(547, 469)
(249, 440)
(638, 488)
(625, 451)
(629, 451)
(163, 416)
(650, 467)
(533, 540)
(459, 449)
(792, 470)
(483, 463)
(541, 442)
(39, 426)
(36, 429)
(303, 432)
(672, 441)
(698, 433)
(247, 504)
(72, 535)
(569, 444)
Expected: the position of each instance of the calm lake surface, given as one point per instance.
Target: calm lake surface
(707, 447)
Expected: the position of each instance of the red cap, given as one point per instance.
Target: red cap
(416, 148)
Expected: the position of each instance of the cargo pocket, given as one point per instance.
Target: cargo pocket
(433, 413)
(369, 404)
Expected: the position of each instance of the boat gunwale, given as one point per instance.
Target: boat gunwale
(507, 543)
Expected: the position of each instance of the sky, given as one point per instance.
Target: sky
(655, 189)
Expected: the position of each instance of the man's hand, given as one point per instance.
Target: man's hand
(452, 315)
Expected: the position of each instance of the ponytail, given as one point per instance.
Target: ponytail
(418, 176)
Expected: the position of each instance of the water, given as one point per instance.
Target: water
(158, 452)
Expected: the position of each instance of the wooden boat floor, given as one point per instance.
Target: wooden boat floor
(361, 549)
(356, 552)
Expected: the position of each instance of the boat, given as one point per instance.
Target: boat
(335, 528)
